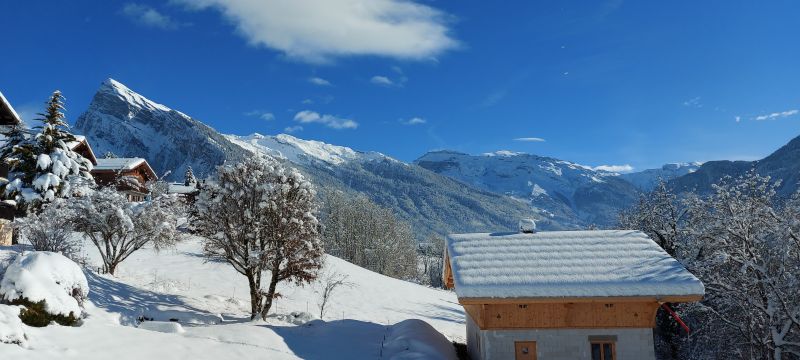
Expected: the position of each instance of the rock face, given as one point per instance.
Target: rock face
(123, 122)
(783, 165)
(566, 193)
(129, 125)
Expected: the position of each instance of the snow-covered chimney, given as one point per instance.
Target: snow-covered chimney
(527, 226)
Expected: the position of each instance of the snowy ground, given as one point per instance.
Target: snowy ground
(210, 301)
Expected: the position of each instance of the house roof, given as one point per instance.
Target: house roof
(180, 188)
(81, 140)
(7, 114)
(123, 164)
(566, 264)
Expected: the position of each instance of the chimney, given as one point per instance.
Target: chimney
(527, 226)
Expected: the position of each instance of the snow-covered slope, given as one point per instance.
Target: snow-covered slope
(301, 151)
(647, 179)
(126, 123)
(210, 302)
(569, 193)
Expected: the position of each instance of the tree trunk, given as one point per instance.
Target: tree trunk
(273, 283)
(110, 268)
(255, 294)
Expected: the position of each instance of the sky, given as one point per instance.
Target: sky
(629, 85)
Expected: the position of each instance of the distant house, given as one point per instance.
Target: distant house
(8, 118)
(586, 295)
(129, 175)
(82, 147)
(183, 191)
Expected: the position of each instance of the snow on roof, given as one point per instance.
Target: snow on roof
(118, 163)
(180, 188)
(559, 264)
(7, 112)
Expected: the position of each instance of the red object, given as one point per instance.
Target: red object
(676, 317)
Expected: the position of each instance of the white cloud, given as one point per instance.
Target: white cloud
(693, 102)
(776, 115)
(293, 129)
(614, 168)
(381, 80)
(319, 30)
(307, 101)
(308, 116)
(261, 114)
(319, 81)
(529, 139)
(148, 16)
(414, 121)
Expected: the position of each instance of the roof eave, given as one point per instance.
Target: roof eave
(589, 299)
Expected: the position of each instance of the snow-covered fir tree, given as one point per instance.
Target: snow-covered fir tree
(260, 218)
(189, 179)
(44, 167)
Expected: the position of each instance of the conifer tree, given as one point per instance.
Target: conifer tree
(189, 179)
(44, 167)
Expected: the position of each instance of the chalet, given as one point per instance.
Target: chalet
(129, 175)
(586, 295)
(8, 118)
(81, 147)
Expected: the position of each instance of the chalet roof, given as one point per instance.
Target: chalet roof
(8, 115)
(116, 164)
(81, 140)
(566, 264)
(180, 188)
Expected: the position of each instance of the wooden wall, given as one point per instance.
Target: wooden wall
(564, 315)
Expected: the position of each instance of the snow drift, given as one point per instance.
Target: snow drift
(48, 276)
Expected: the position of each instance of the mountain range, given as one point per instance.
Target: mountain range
(440, 192)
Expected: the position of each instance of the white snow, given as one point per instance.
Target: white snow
(565, 264)
(116, 88)
(416, 340)
(118, 163)
(211, 303)
(11, 328)
(302, 151)
(47, 276)
(169, 327)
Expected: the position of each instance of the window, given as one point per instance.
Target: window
(603, 350)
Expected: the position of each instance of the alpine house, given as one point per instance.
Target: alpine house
(589, 295)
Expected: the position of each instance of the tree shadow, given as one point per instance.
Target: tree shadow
(340, 339)
(134, 304)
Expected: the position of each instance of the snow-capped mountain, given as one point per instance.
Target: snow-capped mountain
(647, 179)
(123, 122)
(566, 192)
(129, 125)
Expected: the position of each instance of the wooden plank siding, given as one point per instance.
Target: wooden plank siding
(564, 315)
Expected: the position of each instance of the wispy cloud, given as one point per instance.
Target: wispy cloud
(414, 121)
(381, 80)
(319, 81)
(331, 121)
(293, 129)
(776, 115)
(529, 139)
(614, 168)
(318, 31)
(150, 17)
(307, 101)
(693, 102)
(261, 114)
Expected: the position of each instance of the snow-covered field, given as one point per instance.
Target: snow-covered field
(211, 303)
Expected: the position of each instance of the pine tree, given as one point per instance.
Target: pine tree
(189, 179)
(44, 167)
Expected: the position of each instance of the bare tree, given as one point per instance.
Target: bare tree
(370, 236)
(432, 260)
(260, 216)
(118, 227)
(328, 283)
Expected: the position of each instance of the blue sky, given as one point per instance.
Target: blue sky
(601, 83)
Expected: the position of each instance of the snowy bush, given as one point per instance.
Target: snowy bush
(260, 216)
(51, 230)
(118, 227)
(48, 284)
(11, 331)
